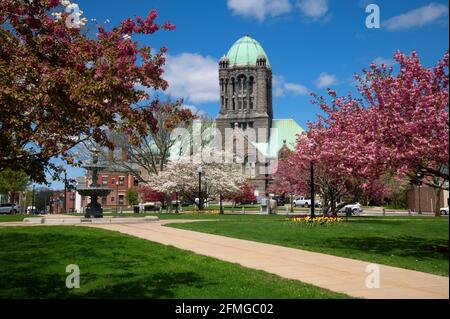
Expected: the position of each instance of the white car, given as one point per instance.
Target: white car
(9, 208)
(355, 208)
(303, 202)
(444, 211)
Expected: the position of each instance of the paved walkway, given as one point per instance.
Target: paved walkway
(334, 273)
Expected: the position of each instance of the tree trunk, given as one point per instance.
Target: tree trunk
(437, 205)
(169, 202)
(292, 203)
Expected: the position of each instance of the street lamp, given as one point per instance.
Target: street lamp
(63, 170)
(176, 203)
(313, 204)
(117, 197)
(200, 202)
(419, 184)
(32, 202)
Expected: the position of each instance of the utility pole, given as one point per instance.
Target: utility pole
(313, 204)
(65, 192)
(32, 202)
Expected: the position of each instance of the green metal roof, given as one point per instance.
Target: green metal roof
(285, 132)
(245, 51)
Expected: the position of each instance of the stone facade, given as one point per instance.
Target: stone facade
(246, 103)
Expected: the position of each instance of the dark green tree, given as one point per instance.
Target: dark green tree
(13, 181)
(132, 196)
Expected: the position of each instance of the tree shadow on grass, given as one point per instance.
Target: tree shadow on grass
(158, 285)
(406, 246)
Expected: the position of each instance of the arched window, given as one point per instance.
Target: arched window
(242, 81)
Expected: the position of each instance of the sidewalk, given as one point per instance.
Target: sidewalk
(334, 273)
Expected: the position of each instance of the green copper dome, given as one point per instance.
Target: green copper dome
(245, 52)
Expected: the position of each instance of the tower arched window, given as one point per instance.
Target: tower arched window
(242, 84)
(250, 85)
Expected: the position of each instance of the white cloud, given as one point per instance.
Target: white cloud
(195, 110)
(380, 60)
(281, 87)
(192, 77)
(314, 9)
(325, 80)
(417, 17)
(259, 9)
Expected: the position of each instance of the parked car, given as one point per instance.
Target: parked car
(151, 206)
(280, 200)
(303, 202)
(246, 202)
(187, 202)
(355, 208)
(444, 211)
(9, 208)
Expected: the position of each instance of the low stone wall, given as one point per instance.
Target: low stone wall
(82, 220)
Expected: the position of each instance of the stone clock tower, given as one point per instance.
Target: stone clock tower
(245, 79)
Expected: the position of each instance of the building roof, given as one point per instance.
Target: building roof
(283, 132)
(245, 51)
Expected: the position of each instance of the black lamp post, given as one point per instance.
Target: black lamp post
(419, 184)
(65, 192)
(200, 201)
(117, 197)
(221, 203)
(313, 204)
(32, 202)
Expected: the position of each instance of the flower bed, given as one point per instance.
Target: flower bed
(318, 220)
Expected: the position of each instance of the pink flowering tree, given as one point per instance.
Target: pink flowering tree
(60, 87)
(400, 125)
(336, 187)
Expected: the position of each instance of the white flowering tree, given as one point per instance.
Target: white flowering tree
(219, 178)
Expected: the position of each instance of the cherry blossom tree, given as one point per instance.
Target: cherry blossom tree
(246, 194)
(219, 178)
(336, 187)
(400, 125)
(59, 87)
(148, 194)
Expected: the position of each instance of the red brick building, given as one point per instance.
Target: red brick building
(119, 182)
(57, 203)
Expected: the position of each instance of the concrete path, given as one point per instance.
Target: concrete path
(334, 273)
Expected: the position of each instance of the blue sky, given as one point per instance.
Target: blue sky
(311, 44)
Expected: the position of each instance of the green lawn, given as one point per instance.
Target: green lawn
(13, 218)
(113, 265)
(419, 243)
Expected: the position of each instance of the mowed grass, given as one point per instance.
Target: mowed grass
(114, 265)
(14, 218)
(418, 243)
